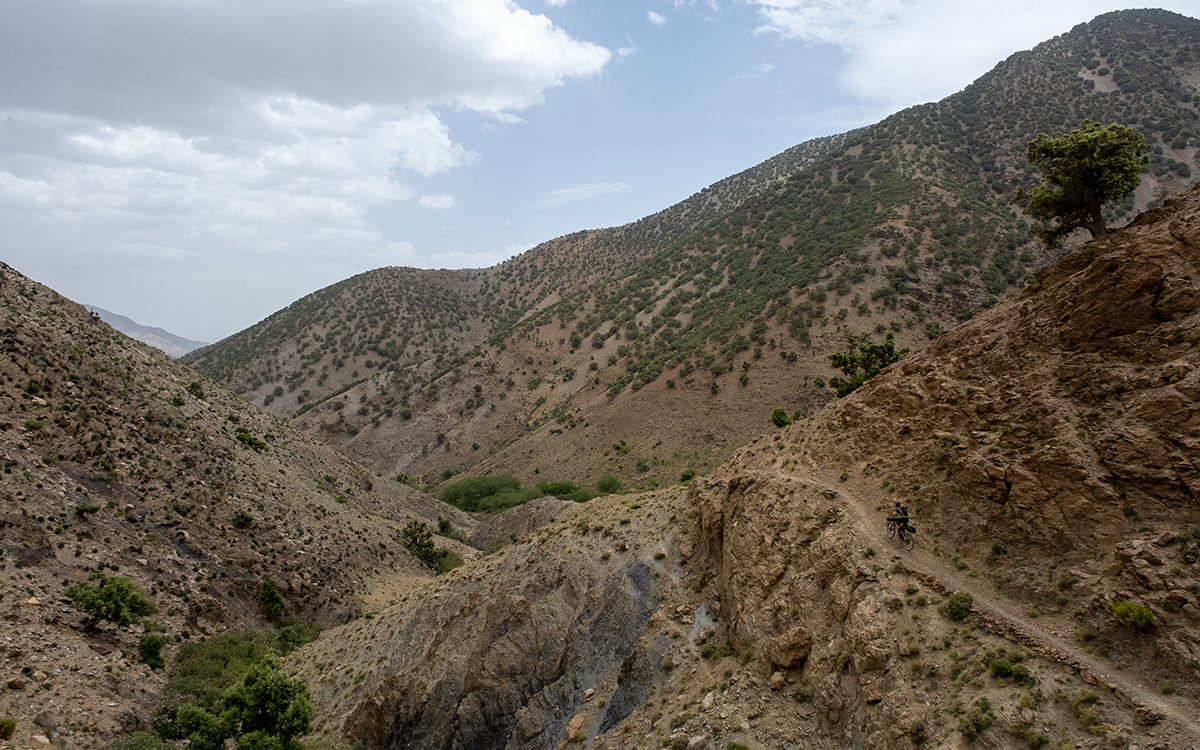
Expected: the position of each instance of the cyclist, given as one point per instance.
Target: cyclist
(900, 517)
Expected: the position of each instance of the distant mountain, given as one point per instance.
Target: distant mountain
(658, 347)
(176, 346)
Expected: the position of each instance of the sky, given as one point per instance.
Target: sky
(197, 165)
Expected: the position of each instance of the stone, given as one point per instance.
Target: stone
(40, 676)
(777, 680)
(41, 739)
(789, 649)
(709, 698)
(700, 742)
(17, 683)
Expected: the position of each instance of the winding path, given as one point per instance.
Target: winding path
(1000, 616)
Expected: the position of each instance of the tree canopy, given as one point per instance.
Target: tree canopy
(265, 710)
(1082, 170)
(116, 599)
(862, 362)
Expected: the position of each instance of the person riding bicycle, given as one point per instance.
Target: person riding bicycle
(900, 517)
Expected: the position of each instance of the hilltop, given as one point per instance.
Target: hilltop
(1047, 449)
(656, 348)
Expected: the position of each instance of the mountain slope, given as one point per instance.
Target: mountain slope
(680, 333)
(1047, 448)
(119, 460)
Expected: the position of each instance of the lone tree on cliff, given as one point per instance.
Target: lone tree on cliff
(1082, 170)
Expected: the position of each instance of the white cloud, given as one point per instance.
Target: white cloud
(573, 193)
(228, 134)
(759, 71)
(657, 19)
(441, 202)
(901, 52)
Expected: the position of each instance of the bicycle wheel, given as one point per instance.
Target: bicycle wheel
(891, 529)
(908, 541)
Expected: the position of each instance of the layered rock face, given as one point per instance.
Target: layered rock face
(507, 652)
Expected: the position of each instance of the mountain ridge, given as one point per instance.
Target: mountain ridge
(159, 338)
(900, 226)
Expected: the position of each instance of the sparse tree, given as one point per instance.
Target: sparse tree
(862, 362)
(1082, 170)
(116, 599)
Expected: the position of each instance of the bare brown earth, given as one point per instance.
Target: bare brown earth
(1048, 449)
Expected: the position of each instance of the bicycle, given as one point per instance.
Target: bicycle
(906, 536)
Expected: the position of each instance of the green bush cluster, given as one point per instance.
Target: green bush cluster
(275, 607)
(863, 361)
(499, 492)
(116, 599)
(780, 418)
(1133, 615)
(150, 650)
(419, 541)
(266, 709)
(958, 606)
(8, 725)
(979, 717)
(1191, 543)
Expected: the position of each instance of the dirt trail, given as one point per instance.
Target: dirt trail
(1001, 617)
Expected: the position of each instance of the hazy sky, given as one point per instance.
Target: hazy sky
(198, 164)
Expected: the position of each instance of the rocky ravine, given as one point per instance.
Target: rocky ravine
(1048, 449)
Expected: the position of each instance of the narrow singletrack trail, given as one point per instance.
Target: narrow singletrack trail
(1002, 616)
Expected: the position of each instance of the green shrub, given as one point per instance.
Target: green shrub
(780, 418)
(717, 651)
(1191, 543)
(142, 741)
(202, 671)
(266, 709)
(449, 561)
(1035, 740)
(979, 717)
(687, 476)
(117, 599)
(242, 520)
(419, 541)
(275, 607)
(8, 725)
(466, 494)
(608, 485)
(959, 605)
(1084, 707)
(243, 435)
(150, 650)
(803, 693)
(1133, 615)
(83, 510)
